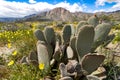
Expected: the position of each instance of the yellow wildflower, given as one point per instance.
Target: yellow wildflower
(28, 32)
(11, 63)
(14, 53)
(8, 40)
(9, 45)
(41, 66)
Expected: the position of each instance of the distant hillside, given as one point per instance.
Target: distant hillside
(61, 14)
(8, 19)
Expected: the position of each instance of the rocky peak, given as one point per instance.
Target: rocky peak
(60, 14)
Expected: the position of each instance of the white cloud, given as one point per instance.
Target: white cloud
(116, 7)
(21, 9)
(101, 10)
(102, 2)
(32, 1)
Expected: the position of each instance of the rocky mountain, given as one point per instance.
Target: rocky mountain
(61, 14)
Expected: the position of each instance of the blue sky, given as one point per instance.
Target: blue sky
(21, 8)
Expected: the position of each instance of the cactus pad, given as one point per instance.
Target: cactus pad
(49, 35)
(84, 40)
(66, 34)
(39, 35)
(43, 55)
(91, 62)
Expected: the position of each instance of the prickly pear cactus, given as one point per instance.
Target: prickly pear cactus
(39, 35)
(43, 55)
(91, 77)
(63, 70)
(73, 46)
(49, 35)
(58, 38)
(70, 53)
(91, 62)
(101, 33)
(66, 34)
(73, 43)
(57, 53)
(93, 20)
(80, 24)
(73, 30)
(84, 40)
(50, 50)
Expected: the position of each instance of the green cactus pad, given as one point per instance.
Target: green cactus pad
(73, 30)
(93, 20)
(72, 43)
(66, 34)
(80, 24)
(43, 55)
(49, 35)
(91, 62)
(84, 40)
(73, 46)
(39, 35)
(33, 56)
(101, 33)
(58, 38)
(57, 53)
(50, 50)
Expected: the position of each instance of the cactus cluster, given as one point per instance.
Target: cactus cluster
(70, 51)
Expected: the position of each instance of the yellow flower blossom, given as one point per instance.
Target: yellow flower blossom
(41, 66)
(11, 63)
(28, 32)
(14, 53)
(9, 45)
(8, 40)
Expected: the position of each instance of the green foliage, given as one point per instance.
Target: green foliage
(106, 18)
(117, 36)
(24, 72)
